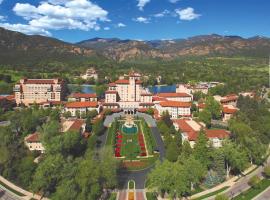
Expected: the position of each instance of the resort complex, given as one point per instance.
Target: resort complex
(138, 127)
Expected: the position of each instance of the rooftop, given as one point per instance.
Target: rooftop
(87, 104)
(42, 81)
(82, 95)
(175, 104)
(171, 94)
(34, 137)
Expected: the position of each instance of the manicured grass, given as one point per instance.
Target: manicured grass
(212, 193)
(197, 190)
(131, 185)
(11, 190)
(151, 196)
(130, 146)
(252, 192)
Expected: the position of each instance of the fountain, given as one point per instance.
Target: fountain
(129, 127)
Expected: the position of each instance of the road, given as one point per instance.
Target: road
(242, 184)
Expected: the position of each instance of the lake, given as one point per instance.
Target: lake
(89, 89)
(162, 88)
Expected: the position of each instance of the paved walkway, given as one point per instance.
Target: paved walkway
(228, 183)
(265, 195)
(122, 195)
(28, 195)
(150, 121)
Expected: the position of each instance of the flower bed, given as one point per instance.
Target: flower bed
(142, 145)
(118, 144)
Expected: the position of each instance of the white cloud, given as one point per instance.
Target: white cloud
(187, 14)
(141, 20)
(162, 14)
(174, 1)
(142, 3)
(1, 1)
(59, 14)
(106, 28)
(25, 28)
(3, 18)
(121, 25)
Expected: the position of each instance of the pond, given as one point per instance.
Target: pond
(88, 89)
(162, 88)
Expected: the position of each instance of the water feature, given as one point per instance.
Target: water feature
(162, 88)
(130, 129)
(88, 89)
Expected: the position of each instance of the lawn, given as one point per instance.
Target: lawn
(131, 146)
(212, 193)
(252, 192)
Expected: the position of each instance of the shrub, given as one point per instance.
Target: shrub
(221, 197)
(267, 171)
(253, 181)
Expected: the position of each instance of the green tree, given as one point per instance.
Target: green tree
(235, 158)
(172, 151)
(48, 173)
(201, 149)
(205, 117)
(214, 107)
(195, 171)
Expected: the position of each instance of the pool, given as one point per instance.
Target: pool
(130, 130)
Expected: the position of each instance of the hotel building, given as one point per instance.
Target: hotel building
(30, 91)
(128, 94)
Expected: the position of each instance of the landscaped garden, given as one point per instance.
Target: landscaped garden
(133, 142)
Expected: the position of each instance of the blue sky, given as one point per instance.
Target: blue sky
(76, 20)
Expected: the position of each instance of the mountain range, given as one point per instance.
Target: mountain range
(18, 48)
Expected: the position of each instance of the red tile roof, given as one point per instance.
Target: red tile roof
(111, 92)
(76, 126)
(171, 94)
(42, 81)
(201, 105)
(122, 81)
(82, 95)
(87, 104)
(228, 110)
(156, 98)
(35, 137)
(217, 133)
(146, 104)
(111, 104)
(175, 104)
(229, 98)
(112, 84)
(126, 81)
(146, 94)
(139, 82)
(8, 97)
(185, 127)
